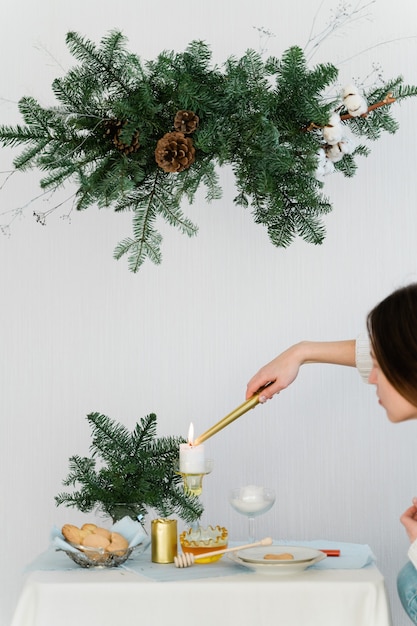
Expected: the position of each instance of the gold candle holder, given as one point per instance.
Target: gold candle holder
(193, 483)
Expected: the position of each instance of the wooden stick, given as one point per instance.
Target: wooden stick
(264, 542)
(386, 101)
(389, 99)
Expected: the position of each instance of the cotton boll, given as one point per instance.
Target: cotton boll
(349, 142)
(324, 167)
(321, 157)
(334, 153)
(328, 168)
(333, 131)
(355, 103)
(350, 90)
(319, 174)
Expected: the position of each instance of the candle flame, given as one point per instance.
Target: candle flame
(191, 434)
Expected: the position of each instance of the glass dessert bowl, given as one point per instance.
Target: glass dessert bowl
(252, 501)
(204, 540)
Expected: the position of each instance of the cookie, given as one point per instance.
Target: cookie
(102, 531)
(71, 533)
(118, 544)
(283, 556)
(89, 527)
(93, 540)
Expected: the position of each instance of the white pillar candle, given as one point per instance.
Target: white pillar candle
(192, 459)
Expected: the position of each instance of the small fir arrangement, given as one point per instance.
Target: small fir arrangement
(146, 136)
(129, 473)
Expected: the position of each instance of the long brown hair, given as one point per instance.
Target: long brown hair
(392, 328)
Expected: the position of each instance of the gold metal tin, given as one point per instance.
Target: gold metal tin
(164, 537)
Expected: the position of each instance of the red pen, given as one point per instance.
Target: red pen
(331, 552)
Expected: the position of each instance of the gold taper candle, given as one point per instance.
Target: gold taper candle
(250, 403)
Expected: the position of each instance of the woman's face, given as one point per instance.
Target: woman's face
(398, 409)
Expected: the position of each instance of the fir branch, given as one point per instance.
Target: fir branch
(109, 440)
(103, 62)
(146, 243)
(308, 225)
(347, 166)
(136, 473)
(29, 157)
(144, 432)
(36, 117)
(15, 135)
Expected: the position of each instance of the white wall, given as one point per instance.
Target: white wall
(79, 333)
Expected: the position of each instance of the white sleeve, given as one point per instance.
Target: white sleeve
(363, 357)
(412, 553)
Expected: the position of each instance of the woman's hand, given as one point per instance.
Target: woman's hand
(283, 370)
(278, 374)
(409, 520)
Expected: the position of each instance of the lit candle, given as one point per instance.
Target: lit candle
(192, 459)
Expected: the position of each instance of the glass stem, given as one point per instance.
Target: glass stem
(251, 521)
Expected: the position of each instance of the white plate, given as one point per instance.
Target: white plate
(253, 558)
(299, 553)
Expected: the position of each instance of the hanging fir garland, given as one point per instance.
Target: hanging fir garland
(143, 136)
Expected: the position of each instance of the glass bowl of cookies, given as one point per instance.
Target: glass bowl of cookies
(92, 545)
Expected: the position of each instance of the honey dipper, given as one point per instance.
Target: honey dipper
(187, 558)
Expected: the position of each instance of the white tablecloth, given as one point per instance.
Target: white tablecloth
(117, 597)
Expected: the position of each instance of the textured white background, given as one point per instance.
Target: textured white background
(79, 333)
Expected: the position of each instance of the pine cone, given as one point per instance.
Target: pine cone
(186, 122)
(113, 132)
(174, 152)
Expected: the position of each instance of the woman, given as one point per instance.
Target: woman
(391, 365)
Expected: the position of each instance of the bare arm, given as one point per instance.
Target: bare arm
(283, 370)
